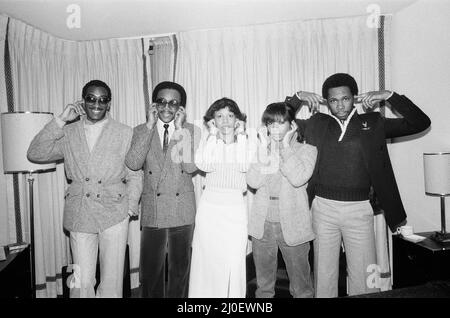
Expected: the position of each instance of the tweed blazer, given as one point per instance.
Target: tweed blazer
(168, 198)
(296, 167)
(374, 131)
(101, 188)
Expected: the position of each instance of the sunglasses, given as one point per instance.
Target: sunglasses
(161, 103)
(92, 100)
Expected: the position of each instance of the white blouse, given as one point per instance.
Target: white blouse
(225, 164)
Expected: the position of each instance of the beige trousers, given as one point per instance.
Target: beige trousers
(352, 223)
(112, 246)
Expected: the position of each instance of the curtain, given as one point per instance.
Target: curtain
(48, 73)
(258, 65)
(162, 60)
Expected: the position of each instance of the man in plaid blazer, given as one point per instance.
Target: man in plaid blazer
(164, 147)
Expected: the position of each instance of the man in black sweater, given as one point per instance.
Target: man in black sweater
(352, 158)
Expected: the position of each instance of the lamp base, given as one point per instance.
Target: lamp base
(441, 237)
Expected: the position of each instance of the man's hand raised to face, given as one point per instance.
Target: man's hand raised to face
(152, 116)
(372, 99)
(72, 111)
(180, 118)
(313, 100)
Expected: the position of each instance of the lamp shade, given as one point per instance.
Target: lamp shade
(437, 173)
(18, 130)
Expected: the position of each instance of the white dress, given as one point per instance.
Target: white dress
(219, 245)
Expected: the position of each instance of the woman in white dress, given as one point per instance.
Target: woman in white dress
(220, 236)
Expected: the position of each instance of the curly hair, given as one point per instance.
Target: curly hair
(222, 103)
(338, 80)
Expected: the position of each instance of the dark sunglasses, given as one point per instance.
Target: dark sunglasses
(172, 104)
(92, 100)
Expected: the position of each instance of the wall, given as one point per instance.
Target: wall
(4, 234)
(420, 70)
(152, 17)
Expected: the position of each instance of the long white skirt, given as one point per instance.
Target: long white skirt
(219, 246)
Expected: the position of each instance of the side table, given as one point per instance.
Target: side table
(418, 263)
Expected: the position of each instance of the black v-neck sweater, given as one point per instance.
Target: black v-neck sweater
(342, 173)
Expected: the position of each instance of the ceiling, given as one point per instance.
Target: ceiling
(101, 19)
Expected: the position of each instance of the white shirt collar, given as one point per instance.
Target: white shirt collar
(345, 123)
(160, 127)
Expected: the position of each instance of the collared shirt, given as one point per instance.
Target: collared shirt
(160, 127)
(345, 123)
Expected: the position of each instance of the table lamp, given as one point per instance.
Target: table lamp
(18, 130)
(437, 183)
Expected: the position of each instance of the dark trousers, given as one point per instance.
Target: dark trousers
(155, 243)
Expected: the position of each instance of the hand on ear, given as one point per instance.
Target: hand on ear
(372, 99)
(180, 117)
(239, 127)
(263, 135)
(313, 100)
(72, 111)
(152, 116)
(212, 127)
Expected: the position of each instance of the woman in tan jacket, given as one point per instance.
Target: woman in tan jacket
(280, 216)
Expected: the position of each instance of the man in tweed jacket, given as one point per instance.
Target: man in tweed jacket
(164, 147)
(102, 191)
